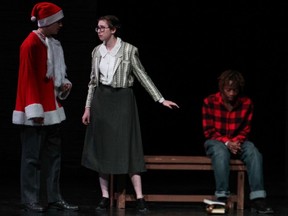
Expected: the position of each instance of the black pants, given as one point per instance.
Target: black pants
(40, 164)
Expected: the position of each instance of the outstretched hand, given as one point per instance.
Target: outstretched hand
(170, 104)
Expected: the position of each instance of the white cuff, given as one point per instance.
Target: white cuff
(161, 100)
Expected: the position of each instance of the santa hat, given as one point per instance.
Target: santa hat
(46, 13)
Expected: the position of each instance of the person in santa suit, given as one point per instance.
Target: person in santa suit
(41, 83)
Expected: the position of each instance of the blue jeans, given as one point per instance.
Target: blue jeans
(252, 158)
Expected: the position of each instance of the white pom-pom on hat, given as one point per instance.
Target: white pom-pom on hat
(33, 18)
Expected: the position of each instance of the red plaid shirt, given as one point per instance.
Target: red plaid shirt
(223, 125)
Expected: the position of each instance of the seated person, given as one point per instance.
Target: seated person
(227, 117)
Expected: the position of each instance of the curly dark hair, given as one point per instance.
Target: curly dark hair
(235, 76)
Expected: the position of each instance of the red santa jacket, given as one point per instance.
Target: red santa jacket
(36, 94)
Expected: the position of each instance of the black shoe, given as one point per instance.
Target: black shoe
(103, 204)
(35, 207)
(260, 206)
(141, 206)
(63, 206)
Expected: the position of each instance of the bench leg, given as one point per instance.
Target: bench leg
(121, 192)
(240, 190)
(230, 204)
(111, 190)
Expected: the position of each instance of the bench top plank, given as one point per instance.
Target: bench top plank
(184, 159)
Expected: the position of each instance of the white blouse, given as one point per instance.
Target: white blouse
(107, 62)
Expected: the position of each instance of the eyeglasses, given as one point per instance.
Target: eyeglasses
(101, 28)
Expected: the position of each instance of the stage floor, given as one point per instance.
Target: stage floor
(80, 186)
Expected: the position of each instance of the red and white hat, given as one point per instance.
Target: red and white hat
(46, 13)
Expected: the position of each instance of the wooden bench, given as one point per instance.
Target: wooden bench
(158, 162)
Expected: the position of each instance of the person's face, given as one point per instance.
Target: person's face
(230, 92)
(104, 31)
(54, 28)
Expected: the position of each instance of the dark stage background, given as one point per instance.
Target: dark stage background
(184, 46)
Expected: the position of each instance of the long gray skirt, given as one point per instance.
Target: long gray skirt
(113, 143)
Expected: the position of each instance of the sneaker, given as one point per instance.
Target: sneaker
(141, 206)
(223, 199)
(103, 204)
(228, 204)
(260, 206)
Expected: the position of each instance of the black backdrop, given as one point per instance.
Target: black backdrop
(184, 47)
